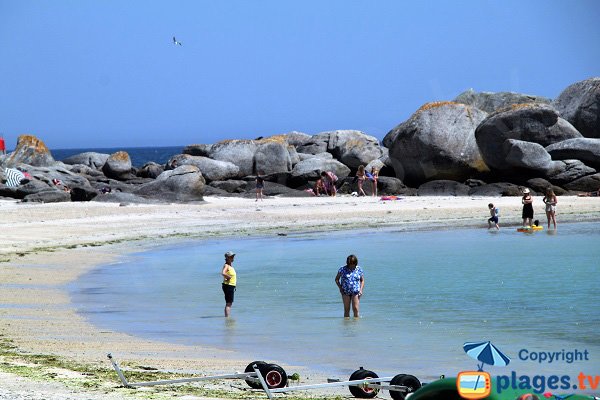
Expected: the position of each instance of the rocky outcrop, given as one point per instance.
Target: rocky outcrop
(353, 148)
(315, 145)
(184, 183)
(90, 159)
(437, 142)
(150, 170)
(491, 102)
(238, 152)
(271, 158)
(537, 123)
(48, 196)
(230, 186)
(586, 184)
(118, 166)
(212, 170)
(580, 105)
(496, 190)
(311, 169)
(443, 188)
(586, 150)
(567, 171)
(31, 151)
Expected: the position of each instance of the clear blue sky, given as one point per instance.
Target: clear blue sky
(106, 73)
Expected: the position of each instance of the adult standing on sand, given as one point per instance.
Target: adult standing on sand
(527, 202)
(550, 200)
(229, 281)
(350, 279)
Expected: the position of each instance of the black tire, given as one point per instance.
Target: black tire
(411, 382)
(363, 392)
(259, 364)
(274, 376)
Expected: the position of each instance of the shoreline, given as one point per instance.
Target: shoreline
(51, 245)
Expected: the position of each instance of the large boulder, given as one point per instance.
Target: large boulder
(90, 159)
(230, 186)
(583, 149)
(31, 151)
(496, 190)
(537, 123)
(292, 138)
(306, 156)
(272, 157)
(202, 150)
(353, 148)
(315, 145)
(182, 184)
(150, 170)
(493, 101)
(526, 155)
(212, 170)
(443, 188)
(311, 169)
(49, 195)
(565, 171)
(238, 152)
(588, 183)
(118, 166)
(580, 105)
(437, 142)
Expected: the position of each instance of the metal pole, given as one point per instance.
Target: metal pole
(119, 372)
(262, 382)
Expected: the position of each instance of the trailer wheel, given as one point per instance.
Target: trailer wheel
(411, 383)
(274, 375)
(363, 391)
(259, 364)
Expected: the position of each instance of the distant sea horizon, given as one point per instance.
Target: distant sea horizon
(139, 155)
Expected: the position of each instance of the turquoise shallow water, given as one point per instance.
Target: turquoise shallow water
(426, 294)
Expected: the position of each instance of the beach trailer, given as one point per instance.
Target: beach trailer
(273, 379)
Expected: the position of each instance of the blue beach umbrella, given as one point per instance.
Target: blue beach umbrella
(487, 353)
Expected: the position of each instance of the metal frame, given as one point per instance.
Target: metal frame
(375, 383)
(126, 383)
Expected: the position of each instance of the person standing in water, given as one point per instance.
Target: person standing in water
(350, 279)
(550, 200)
(527, 202)
(229, 281)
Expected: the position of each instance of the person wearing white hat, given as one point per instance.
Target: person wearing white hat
(527, 202)
(229, 281)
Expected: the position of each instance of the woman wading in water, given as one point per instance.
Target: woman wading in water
(351, 281)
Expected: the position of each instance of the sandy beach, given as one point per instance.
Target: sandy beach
(46, 346)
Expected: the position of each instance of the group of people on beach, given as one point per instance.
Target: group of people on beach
(350, 280)
(550, 201)
(327, 183)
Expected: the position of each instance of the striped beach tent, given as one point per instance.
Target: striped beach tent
(13, 177)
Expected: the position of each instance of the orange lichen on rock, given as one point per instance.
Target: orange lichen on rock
(33, 142)
(435, 104)
(120, 156)
(514, 107)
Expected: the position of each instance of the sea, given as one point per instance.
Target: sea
(139, 155)
(426, 294)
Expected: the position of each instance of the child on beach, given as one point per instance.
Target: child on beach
(360, 174)
(350, 279)
(494, 214)
(550, 200)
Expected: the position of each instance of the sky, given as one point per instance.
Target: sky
(96, 74)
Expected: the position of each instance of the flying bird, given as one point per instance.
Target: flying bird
(175, 42)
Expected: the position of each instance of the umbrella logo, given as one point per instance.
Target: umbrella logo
(478, 384)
